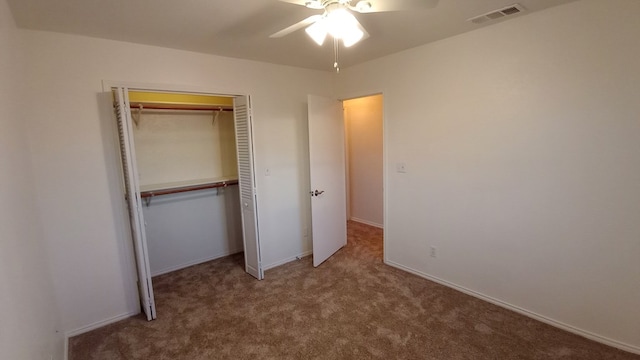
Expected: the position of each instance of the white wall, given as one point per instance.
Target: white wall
(77, 171)
(522, 144)
(28, 313)
(363, 123)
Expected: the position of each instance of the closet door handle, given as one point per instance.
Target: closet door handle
(316, 193)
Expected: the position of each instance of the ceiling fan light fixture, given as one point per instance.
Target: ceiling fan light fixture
(317, 31)
(340, 22)
(352, 36)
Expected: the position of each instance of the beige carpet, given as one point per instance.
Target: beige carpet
(351, 307)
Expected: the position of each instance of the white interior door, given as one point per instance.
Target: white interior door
(327, 172)
(134, 202)
(246, 180)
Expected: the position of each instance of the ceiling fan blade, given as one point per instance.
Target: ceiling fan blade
(297, 26)
(391, 5)
(297, 2)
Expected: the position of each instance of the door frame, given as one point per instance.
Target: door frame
(385, 157)
(125, 237)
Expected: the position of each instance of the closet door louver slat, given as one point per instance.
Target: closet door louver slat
(246, 180)
(134, 202)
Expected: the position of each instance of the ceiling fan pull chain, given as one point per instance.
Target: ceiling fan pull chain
(335, 54)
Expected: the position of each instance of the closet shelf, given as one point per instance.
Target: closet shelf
(149, 191)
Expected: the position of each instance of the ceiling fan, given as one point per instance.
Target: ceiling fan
(338, 20)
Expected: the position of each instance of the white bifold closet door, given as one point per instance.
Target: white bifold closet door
(134, 202)
(246, 180)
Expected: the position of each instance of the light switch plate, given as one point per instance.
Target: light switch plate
(401, 167)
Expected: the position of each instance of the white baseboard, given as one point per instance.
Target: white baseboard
(117, 318)
(99, 324)
(95, 325)
(195, 262)
(366, 222)
(289, 259)
(572, 329)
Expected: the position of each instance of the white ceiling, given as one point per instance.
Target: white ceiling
(241, 28)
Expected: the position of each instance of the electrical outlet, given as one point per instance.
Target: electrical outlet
(433, 252)
(306, 231)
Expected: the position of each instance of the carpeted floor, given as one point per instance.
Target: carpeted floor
(351, 307)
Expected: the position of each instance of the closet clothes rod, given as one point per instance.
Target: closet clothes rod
(136, 106)
(147, 195)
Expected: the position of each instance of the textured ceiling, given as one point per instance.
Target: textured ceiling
(241, 28)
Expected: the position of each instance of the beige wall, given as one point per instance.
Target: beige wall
(522, 145)
(363, 122)
(520, 139)
(28, 313)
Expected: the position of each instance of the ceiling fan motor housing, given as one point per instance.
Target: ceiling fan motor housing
(361, 6)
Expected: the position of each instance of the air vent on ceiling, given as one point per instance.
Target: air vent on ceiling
(497, 14)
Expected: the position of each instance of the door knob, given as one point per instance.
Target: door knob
(316, 193)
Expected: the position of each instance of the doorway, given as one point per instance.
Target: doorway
(345, 169)
(327, 177)
(364, 152)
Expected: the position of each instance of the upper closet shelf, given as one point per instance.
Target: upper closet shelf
(179, 101)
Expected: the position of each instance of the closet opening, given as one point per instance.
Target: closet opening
(188, 176)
